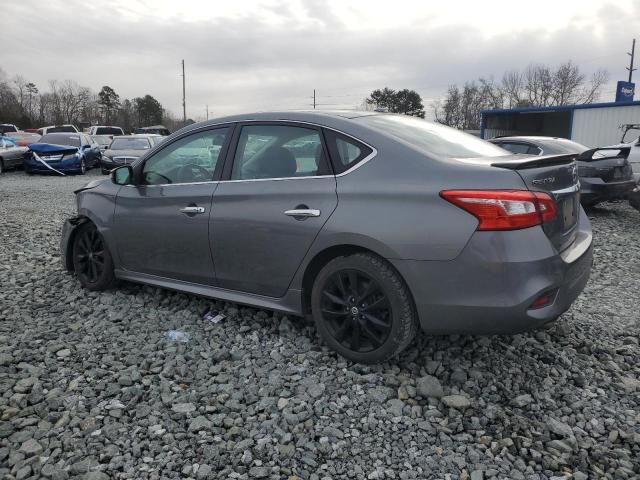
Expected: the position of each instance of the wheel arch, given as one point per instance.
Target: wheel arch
(321, 258)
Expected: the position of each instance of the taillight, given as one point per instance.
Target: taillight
(504, 209)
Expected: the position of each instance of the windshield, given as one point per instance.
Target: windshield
(433, 138)
(61, 139)
(61, 129)
(130, 144)
(102, 140)
(108, 131)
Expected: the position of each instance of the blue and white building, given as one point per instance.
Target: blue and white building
(595, 124)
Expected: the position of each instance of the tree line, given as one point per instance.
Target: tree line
(24, 104)
(535, 86)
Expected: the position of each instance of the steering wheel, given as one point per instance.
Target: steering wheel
(193, 172)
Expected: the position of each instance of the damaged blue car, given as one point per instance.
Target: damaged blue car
(62, 154)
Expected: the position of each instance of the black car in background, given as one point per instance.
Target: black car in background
(126, 149)
(605, 173)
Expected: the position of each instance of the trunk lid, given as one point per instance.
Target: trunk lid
(556, 175)
(610, 164)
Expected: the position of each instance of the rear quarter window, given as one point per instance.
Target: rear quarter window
(346, 152)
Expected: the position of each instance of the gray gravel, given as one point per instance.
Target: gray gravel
(91, 388)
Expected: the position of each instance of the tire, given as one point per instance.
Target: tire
(104, 172)
(634, 200)
(1, 166)
(83, 167)
(372, 325)
(92, 260)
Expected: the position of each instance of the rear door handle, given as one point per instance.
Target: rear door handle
(303, 212)
(192, 210)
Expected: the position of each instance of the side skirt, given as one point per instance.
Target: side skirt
(289, 303)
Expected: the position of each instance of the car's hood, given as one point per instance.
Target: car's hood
(125, 153)
(44, 148)
(92, 184)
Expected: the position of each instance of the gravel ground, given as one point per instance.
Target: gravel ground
(91, 388)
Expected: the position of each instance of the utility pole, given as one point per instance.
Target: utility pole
(184, 103)
(630, 67)
(314, 98)
(207, 111)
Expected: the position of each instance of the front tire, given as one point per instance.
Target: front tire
(363, 308)
(83, 167)
(1, 166)
(92, 260)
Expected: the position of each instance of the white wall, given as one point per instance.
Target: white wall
(599, 127)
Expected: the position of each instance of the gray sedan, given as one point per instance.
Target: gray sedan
(374, 224)
(11, 155)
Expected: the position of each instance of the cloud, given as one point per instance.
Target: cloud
(275, 54)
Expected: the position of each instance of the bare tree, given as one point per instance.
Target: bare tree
(537, 85)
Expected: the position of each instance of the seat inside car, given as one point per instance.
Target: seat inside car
(276, 162)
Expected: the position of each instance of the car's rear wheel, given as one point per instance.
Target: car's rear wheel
(92, 260)
(1, 166)
(83, 167)
(363, 309)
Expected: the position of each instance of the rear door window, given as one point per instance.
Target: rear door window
(278, 151)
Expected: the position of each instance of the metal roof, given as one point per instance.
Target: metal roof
(558, 108)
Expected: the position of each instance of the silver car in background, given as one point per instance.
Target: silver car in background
(374, 224)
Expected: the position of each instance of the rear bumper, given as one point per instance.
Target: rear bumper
(595, 190)
(490, 286)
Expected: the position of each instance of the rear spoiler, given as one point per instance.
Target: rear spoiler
(524, 162)
(588, 155)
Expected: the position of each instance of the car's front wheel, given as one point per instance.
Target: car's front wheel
(92, 260)
(83, 167)
(363, 308)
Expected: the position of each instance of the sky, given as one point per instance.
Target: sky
(244, 56)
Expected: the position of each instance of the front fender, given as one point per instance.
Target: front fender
(69, 229)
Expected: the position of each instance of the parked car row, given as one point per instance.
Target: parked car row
(63, 150)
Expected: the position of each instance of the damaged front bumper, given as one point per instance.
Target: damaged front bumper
(66, 241)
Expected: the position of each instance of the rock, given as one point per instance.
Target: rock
(5, 359)
(395, 406)
(316, 390)
(429, 387)
(629, 384)
(96, 476)
(259, 472)
(522, 400)
(204, 472)
(64, 353)
(477, 475)
(578, 475)
(381, 394)
(559, 428)
(183, 407)
(31, 447)
(199, 423)
(459, 402)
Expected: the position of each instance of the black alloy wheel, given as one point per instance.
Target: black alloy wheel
(356, 311)
(363, 309)
(91, 259)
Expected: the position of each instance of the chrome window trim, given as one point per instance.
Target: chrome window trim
(366, 159)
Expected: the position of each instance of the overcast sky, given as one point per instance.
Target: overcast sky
(259, 55)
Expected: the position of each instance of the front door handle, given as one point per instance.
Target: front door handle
(303, 212)
(192, 210)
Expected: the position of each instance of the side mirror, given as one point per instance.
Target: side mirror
(122, 175)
